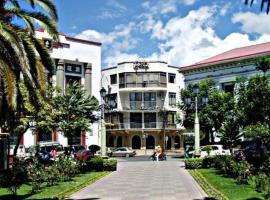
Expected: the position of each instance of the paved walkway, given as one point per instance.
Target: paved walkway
(147, 180)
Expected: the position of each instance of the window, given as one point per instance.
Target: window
(163, 79)
(113, 79)
(112, 100)
(135, 120)
(172, 99)
(228, 87)
(121, 80)
(135, 100)
(171, 78)
(73, 79)
(171, 118)
(149, 100)
(150, 120)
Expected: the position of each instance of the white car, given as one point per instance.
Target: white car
(215, 150)
(123, 151)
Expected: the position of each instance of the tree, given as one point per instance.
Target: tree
(74, 110)
(230, 132)
(23, 58)
(212, 114)
(263, 64)
(263, 3)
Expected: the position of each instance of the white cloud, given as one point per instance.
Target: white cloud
(192, 38)
(253, 23)
(161, 6)
(182, 40)
(116, 4)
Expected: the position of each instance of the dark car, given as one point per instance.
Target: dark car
(84, 154)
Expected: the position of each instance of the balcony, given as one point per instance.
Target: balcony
(135, 125)
(142, 105)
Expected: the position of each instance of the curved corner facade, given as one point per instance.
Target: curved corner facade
(142, 104)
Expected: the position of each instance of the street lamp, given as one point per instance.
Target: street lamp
(188, 101)
(103, 94)
(164, 121)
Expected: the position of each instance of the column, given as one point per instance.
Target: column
(60, 74)
(88, 79)
(182, 141)
(172, 142)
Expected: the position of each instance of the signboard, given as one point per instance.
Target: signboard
(73, 68)
(138, 65)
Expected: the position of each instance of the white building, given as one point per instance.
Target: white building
(224, 68)
(143, 100)
(75, 60)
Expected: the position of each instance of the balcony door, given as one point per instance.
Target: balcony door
(150, 120)
(150, 100)
(135, 120)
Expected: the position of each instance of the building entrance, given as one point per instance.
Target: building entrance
(150, 142)
(136, 142)
(119, 141)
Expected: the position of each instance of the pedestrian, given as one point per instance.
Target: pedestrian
(53, 153)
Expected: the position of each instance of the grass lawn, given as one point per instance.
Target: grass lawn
(229, 187)
(62, 189)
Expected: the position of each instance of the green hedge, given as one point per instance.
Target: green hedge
(193, 163)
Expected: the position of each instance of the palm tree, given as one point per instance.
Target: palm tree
(23, 57)
(263, 3)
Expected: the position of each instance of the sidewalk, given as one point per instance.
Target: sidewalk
(148, 180)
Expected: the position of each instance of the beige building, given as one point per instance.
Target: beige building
(142, 105)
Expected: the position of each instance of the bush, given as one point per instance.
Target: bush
(82, 165)
(208, 161)
(36, 175)
(193, 163)
(261, 183)
(110, 165)
(14, 177)
(67, 168)
(95, 164)
(225, 163)
(51, 175)
(241, 171)
(265, 168)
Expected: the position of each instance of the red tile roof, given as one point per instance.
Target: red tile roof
(232, 55)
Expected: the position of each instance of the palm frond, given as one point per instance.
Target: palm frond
(44, 55)
(47, 6)
(10, 83)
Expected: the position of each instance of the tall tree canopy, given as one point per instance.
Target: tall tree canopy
(211, 114)
(74, 110)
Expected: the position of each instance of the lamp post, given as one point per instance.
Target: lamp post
(188, 101)
(164, 121)
(103, 94)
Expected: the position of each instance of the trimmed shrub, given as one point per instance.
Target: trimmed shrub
(95, 164)
(193, 163)
(110, 165)
(208, 161)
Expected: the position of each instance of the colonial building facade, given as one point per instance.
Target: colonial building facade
(142, 104)
(226, 67)
(75, 60)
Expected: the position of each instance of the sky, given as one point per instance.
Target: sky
(180, 32)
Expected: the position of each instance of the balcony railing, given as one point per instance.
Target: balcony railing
(143, 85)
(141, 105)
(135, 125)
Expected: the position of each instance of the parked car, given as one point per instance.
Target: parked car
(122, 151)
(48, 146)
(215, 150)
(84, 154)
(21, 151)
